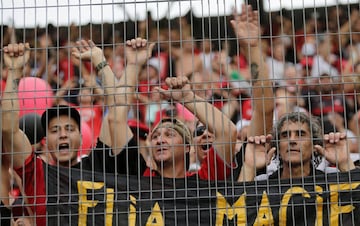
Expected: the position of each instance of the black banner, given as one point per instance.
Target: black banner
(86, 198)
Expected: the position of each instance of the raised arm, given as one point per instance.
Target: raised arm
(14, 140)
(217, 123)
(247, 29)
(115, 131)
(137, 52)
(88, 51)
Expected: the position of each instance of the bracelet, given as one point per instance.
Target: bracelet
(101, 65)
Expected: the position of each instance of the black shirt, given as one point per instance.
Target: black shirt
(129, 161)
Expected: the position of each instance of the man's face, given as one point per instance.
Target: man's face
(167, 144)
(63, 140)
(203, 141)
(295, 144)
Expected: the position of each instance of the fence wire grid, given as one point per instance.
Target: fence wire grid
(180, 113)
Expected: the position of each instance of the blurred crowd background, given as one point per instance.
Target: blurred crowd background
(312, 55)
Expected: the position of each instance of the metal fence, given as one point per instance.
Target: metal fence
(180, 112)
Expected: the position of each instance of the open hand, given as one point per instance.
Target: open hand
(246, 26)
(87, 50)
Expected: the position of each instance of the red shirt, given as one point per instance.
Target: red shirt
(67, 68)
(33, 182)
(93, 117)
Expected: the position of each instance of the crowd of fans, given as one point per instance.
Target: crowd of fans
(223, 102)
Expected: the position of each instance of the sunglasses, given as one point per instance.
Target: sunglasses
(199, 131)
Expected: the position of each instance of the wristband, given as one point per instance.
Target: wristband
(101, 65)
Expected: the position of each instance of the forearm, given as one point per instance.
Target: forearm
(218, 123)
(10, 103)
(118, 111)
(262, 93)
(231, 107)
(119, 131)
(5, 184)
(207, 113)
(14, 140)
(127, 83)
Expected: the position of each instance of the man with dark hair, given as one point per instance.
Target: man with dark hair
(62, 123)
(298, 141)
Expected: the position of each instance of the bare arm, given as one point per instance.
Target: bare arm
(14, 140)
(346, 28)
(118, 93)
(247, 28)
(5, 180)
(87, 50)
(137, 53)
(217, 122)
(231, 106)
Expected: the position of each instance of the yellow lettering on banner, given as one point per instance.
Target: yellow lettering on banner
(223, 208)
(109, 206)
(335, 209)
(155, 218)
(132, 211)
(85, 203)
(264, 216)
(285, 200)
(319, 206)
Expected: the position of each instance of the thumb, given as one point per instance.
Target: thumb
(151, 47)
(75, 52)
(319, 149)
(163, 92)
(27, 51)
(270, 154)
(27, 46)
(232, 22)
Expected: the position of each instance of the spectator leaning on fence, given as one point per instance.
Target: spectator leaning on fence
(297, 139)
(62, 123)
